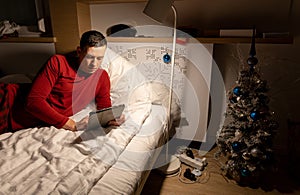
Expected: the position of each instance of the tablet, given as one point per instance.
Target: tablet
(103, 116)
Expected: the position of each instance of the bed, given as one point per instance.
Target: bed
(114, 160)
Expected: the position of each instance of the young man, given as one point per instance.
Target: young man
(65, 86)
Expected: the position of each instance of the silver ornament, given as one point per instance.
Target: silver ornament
(246, 156)
(255, 152)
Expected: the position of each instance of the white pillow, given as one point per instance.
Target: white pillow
(156, 93)
(129, 85)
(124, 77)
(160, 95)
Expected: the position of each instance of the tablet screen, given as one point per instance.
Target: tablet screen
(103, 116)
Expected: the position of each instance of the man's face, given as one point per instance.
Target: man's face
(91, 58)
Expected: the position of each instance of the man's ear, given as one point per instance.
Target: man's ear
(78, 50)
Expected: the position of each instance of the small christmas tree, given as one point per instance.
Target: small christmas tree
(246, 139)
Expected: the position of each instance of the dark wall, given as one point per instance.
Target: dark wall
(22, 12)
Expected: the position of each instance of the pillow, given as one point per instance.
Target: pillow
(124, 77)
(15, 78)
(129, 85)
(157, 93)
(160, 95)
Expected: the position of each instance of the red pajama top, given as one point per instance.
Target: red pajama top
(60, 91)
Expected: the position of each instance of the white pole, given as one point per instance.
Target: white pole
(171, 79)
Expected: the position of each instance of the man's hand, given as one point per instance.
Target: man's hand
(70, 125)
(82, 124)
(117, 122)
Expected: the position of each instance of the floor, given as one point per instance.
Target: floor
(213, 182)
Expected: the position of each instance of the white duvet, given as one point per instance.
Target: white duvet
(101, 161)
(54, 161)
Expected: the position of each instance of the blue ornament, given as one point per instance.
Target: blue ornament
(245, 172)
(167, 58)
(254, 115)
(236, 146)
(237, 91)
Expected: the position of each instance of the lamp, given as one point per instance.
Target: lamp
(157, 10)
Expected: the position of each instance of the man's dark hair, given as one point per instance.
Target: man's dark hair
(92, 38)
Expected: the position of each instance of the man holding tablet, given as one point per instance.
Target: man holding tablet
(64, 86)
